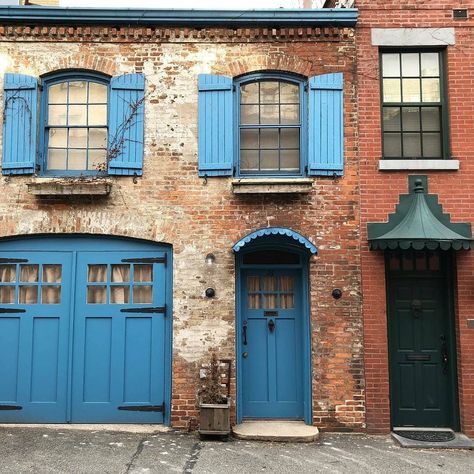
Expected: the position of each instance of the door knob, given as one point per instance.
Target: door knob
(271, 325)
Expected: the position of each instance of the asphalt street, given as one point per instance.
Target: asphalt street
(144, 450)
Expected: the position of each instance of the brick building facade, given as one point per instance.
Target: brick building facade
(189, 213)
(392, 31)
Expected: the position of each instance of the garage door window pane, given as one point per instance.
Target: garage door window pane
(97, 273)
(28, 295)
(7, 273)
(119, 294)
(96, 294)
(29, 273)
(52, 273)
(51, 294)
(7, 294)
(143, 273)
(120, 273)
(142, 294)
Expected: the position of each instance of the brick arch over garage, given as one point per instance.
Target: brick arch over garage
(274, 61)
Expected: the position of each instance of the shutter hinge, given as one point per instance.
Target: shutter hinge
(234, 87)
(306, 87)
(306, 169)
(234, 170)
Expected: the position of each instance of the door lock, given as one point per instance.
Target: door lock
(245, 355)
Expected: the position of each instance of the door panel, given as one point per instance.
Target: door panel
(118, 356)
(420, 383)
(272, 365)
(34, 336)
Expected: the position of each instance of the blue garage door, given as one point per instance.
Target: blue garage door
(84, 335)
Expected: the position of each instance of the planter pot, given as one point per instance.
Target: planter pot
(214, 419)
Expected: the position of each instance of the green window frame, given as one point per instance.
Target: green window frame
(413, 99)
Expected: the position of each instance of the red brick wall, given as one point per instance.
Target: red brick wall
(380, 190)
(170, 203)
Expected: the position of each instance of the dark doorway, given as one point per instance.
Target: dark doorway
(423, 383)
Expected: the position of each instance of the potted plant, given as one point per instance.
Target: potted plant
(214, 402)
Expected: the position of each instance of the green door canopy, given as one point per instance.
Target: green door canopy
(419, 223)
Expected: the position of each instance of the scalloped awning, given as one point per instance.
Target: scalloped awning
(419, 223)
(277, 232)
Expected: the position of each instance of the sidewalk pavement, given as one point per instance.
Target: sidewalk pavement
(146, 449)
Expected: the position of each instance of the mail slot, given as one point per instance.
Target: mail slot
(270, 314)
(418, 357)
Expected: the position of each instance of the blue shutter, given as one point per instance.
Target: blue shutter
(326, 126)
(20, 124)
(215, 125)
(126, 124)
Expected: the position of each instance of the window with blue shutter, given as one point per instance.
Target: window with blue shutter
(20, 124)
(325, 125)
(89, 124)
(271, 124)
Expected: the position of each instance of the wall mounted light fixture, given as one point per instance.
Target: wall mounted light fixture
(210, 259)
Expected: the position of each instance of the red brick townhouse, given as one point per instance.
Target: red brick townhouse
(177, 183)
(416, 145)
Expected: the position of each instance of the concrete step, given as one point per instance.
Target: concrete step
(269, 430)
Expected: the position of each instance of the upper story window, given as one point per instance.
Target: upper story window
(75, 125)
(271, 124)
(270, 121)
(89, 124)
(413, 105)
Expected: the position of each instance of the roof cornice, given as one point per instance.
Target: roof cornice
(191, 18)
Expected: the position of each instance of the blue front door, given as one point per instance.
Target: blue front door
(271, 348)
(84, 332)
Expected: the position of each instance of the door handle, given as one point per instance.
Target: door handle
(444, 354)
(271, 325)
(244, 327)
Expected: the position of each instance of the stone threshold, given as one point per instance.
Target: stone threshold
(282, 431)
(461, 441)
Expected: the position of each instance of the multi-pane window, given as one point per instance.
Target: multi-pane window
(76, 126)
(30, 284)
(270, 127)
(120, 284)
(412, 96)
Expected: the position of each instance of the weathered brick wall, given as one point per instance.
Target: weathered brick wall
(380, 190)
(171, 204)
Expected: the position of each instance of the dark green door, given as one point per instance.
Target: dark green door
(421, 353)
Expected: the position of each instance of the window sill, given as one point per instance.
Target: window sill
(69, 186)
(398, 165)
(272, 185)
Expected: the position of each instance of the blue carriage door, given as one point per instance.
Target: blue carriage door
(272, 344)
(119, 338)
(34, 336)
